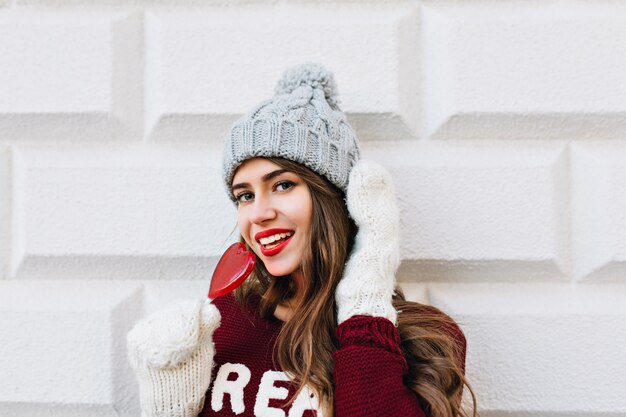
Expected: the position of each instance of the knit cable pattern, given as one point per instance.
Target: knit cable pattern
(302, 123)
(171, 352)
(369, 277)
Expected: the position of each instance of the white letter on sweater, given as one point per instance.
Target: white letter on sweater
(222, 385)
(306, 400)
(268, 391)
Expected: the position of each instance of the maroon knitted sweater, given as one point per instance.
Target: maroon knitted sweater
(368, 369)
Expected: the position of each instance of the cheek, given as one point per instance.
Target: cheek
(307, 212)
(303, 216)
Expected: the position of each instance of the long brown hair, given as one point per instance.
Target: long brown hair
(432, 343)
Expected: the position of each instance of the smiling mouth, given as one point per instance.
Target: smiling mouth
(270, 242)
(274, 247)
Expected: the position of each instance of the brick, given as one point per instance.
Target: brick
(160, 293)
(480, 213)
(598, 201)
(205, 69)
(536, 349)
(56, 336)
(127, 212)
(524, 70)
(415, 292)
(5, 206)
(70, 76)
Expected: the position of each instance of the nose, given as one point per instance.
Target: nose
(262, 210)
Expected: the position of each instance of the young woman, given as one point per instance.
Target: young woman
(319, 327)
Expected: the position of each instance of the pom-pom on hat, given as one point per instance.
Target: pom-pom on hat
(302, 123)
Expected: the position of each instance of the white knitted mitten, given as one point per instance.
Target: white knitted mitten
(171, 352)
(369, 277)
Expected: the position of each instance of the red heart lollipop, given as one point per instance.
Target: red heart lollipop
(231, 271)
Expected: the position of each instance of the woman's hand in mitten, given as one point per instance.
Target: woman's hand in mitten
(369, 277)
(171, 352)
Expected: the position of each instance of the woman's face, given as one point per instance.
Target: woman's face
(274, 214)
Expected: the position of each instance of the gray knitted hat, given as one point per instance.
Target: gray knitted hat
(302, 123)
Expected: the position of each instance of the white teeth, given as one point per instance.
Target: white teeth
(273, 238)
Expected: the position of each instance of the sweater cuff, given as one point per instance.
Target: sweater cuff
(369, 331)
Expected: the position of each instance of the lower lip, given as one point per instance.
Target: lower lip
(277, 249)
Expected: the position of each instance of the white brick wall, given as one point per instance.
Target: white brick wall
(598, 211)
(547, 350)
(70, 76)
(526, 70)
(71, 334)
(5, 209)
(202, 66)
(134, 211)
(503, 124)
(480, 212)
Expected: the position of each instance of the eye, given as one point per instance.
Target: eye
(244, 197)
(284, 185)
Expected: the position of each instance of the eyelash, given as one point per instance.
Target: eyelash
(285, 182)
(291, 184)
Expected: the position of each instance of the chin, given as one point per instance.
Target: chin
(279, 272)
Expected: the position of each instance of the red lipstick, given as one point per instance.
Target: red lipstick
(270, 232)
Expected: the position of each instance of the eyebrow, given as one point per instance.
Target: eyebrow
(264, 178)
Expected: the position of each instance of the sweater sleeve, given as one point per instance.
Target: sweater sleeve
(369, 367)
